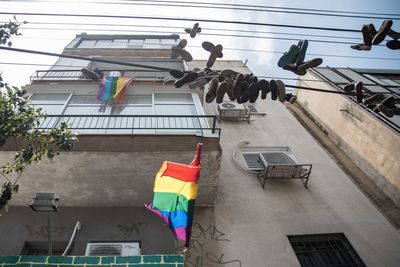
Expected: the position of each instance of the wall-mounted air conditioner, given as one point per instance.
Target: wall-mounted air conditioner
(233, 111)
(113, 249)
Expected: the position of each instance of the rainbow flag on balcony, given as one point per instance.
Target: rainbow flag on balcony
(113, 89)
(175, 190)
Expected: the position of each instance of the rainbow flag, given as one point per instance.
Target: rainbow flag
(175, 190)
(113, 88)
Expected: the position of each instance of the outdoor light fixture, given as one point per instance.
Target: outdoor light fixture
(46, 202)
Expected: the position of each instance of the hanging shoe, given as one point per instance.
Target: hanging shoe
(208, 46)
(313, 63)
(264, 84)
(393, 34)
(359, 88)
(375, 98)
(90, 74)
(217, 50)
(302, 52)
(177, 74)
(289, 56)
(182, 43)
(293, 68)
(212, 90)
(290, 98)
(273, 86)
(199, 83)
(247, 77)
(244, 88)
(281, 90)
(367, 35)
(253, 79)
(237, 85)
(185, 55)
(361, 47)
(229, 73)
(393, 44)
(221, 90)
(385, 110)
(372, 30)
(187, 78)
(195, 30)
(382, 32)
(349, 87)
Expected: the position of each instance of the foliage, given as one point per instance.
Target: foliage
(9, 29)
(18, 121)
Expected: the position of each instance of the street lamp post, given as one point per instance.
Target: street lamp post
(46, 202)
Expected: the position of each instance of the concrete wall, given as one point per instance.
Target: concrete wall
(108, 224)
(373, 146)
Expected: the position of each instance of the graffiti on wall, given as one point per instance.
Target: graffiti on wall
(42, 232)
(200, 252)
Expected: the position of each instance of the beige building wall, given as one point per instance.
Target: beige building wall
(372, 145)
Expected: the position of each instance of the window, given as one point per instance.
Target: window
(76, 108)
(322, 250)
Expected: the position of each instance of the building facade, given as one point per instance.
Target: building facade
(106, 180)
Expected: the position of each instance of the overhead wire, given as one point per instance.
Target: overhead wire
(151, 67)
(178, 19)
(208, 5)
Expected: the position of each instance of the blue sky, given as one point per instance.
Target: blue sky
(261, 63)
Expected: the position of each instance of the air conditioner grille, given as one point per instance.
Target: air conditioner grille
(105, 250)
(228, 105)
(277, 158)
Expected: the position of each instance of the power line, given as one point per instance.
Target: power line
(207, 34)
(275, 7)
(254, 50)
(179, 19)
(185, 4)
(182, 28)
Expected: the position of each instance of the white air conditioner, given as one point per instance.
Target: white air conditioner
(231, 110)
(113, 249)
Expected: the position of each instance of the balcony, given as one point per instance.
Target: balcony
(199, 125)
(76, 75)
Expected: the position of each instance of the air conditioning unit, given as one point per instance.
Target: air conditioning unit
(113, 249)
(231, 110)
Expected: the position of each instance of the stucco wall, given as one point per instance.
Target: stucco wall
(373, 146)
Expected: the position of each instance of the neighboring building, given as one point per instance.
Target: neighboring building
(370, 139)
(106, 180)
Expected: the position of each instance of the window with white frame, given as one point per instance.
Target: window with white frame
(89, 115)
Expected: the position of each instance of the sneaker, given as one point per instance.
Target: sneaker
(383, 31)
(182, 43)
(212, 90)
(187, 78)
(385, 110)
(90, 74)
(217, 50)
(185, 55)
(367, 35)
(373, 99)
(361, 47)
(194, 30)
(302, 53)
(359, 88)
(293, 68)
(313, 63)
(281, 90)
(289, 56)
(177, 74)
(349, 87)
(221, 90)
(237, 91)
(393, 44)
(273, 86)
(229, 73)
(264, 84)
(198, 84)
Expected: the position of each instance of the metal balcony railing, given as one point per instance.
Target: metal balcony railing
(203, 125)
(76, 74)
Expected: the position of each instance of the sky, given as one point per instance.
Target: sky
(42, 34)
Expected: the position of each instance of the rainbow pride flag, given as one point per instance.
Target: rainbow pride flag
(113, 88)
(175, 190)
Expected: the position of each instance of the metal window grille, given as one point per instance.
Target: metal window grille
(323, 250)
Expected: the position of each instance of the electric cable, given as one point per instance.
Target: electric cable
(183, 4)
(178, 19)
